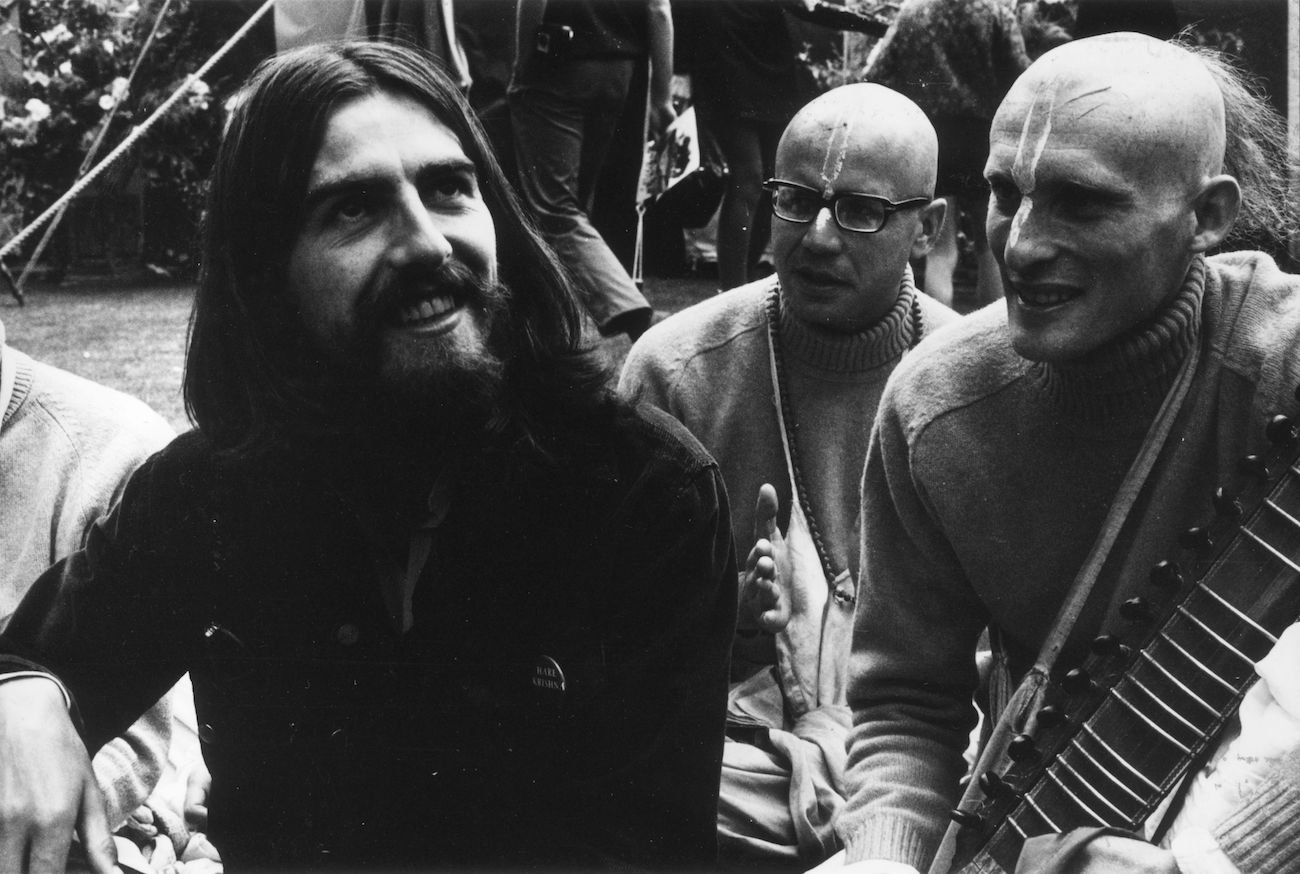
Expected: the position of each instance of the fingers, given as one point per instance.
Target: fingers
(196, 798)
(96, 836)
(49, 852)
(761, 559)
(765, 510)
(777, 615)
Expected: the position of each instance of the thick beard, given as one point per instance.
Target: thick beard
(435, 392)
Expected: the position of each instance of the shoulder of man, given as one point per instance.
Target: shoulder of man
(93, 417)
(965, 360)
(643, 432)
(707, 328)
(1252, 312)
(935, 314)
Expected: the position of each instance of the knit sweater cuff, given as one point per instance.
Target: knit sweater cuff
(885, 838)
(1263, 837)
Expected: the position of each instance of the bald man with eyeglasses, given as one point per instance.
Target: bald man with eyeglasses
(780, 379)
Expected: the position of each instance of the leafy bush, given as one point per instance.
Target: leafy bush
(77, 56)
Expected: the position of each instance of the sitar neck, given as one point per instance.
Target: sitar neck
(1125, 727)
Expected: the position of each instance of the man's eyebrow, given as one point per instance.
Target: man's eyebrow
(349, 183)
(328, 189)
(450, 167)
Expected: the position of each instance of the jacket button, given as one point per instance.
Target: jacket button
(347, 634)
(207, 734)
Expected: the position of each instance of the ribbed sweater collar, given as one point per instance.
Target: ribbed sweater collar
(15, 379)
(1137, 369)
(882, 343)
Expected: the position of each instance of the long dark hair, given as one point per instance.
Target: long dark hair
(245, 342)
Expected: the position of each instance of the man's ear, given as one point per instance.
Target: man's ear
(932, 218)
(1216, 208)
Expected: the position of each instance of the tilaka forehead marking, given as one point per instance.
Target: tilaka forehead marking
(1034, 133)
(837, 150)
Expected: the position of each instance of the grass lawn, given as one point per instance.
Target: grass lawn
(133, 338)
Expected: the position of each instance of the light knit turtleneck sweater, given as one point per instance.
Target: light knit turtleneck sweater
(708, 366)
(986, 484)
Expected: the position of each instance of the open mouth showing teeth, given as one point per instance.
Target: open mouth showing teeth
(1045, 297)
(427, 310)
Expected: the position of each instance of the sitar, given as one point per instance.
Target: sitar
(1119, 732)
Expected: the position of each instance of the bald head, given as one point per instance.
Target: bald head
(852, 141)
(1156, 97)
(864, 123)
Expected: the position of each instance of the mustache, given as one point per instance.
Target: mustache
(451, 278)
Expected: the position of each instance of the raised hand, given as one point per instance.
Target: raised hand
(764, 599)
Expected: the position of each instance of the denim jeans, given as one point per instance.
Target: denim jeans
(562, 129)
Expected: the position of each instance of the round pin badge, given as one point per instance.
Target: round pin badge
(547, 676)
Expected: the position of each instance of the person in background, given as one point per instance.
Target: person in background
(956, 59)
(574, 62)
(446, 602)
(779, 379)
(67, 446)
(747, 83)
(429, 24)
(1050, 453)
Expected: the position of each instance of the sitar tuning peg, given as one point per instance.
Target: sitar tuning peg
(966, 818)
(1109, 645)
(1136, 610)
(1077, 681)
(993, 786)
(1281, 430)
(1196, 539)
(1050, 716)
(1253, 465)
(1166, 575)
(1225, 505)
(1022, 748)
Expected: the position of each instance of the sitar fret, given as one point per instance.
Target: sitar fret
(1079, 802)
(1197, 662)
(1276, 554)
(1076, 747)
(1116, 695)
(1273, 505)
(1134, 681)
(1063, 765)
(1183, 611)
(1090, 732)
(1047, 820)
(1251, 623)
(1146, 657)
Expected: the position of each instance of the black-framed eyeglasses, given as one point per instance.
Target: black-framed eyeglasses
(862, 213)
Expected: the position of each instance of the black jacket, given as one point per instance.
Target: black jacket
(558, 701)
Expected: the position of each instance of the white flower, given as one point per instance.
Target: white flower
(107, 102)
(65, 69)
(199, 95)
(36, 77)
(108, 47)
(118, 88)
(37, 110)
(59, 33)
